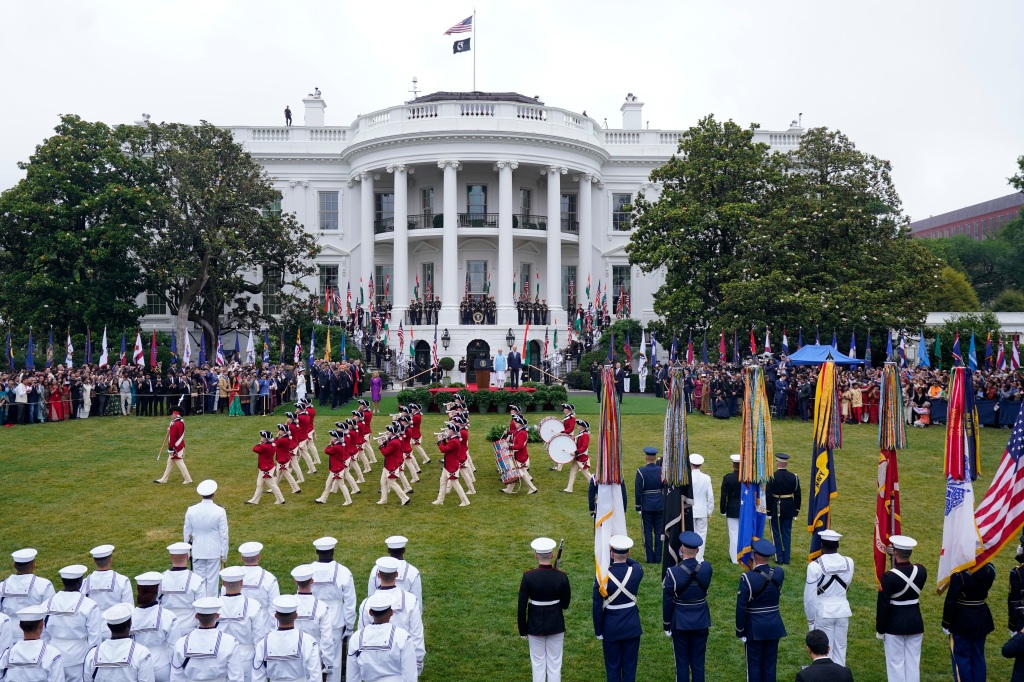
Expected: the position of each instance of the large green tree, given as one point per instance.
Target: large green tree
(954, 293)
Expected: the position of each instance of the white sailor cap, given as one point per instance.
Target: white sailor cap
(102, 551)
(696, 460)
(286, 603)
(543, 545)
(179, 548)
(249, 549)
(735, 459)
(620, 543)
(23, 556)
(207, 605)
(207, 487)
(32, 613)
(325, 543)
(829, 535)
(904, 542)
(381, 600)
(73, 572)
(232, 574)
(388, 564)
(118, 613)
(303, 572)
(149, 578)
(396, 541)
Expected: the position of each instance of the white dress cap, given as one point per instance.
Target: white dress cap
(303, 573)
(149, 578)
(118, 613)
(734, 458)
(325, 543)
(620, 543)
(207, 487)
(286, 603)
(388, 564)
(32, 613)
(23, 556)
(232, 574)
(250, 549)
(396, 542)
(207, 605)
(102, 551)
(381, 600)
(696, 460)
(903, 542)
(73, 571)
(543, 545)
(829, 535)
(179, 548)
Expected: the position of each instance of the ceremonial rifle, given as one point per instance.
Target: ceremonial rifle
(558, 557)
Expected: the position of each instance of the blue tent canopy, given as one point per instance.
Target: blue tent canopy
(816, 355)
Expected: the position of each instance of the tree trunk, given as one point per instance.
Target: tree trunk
(181, 329)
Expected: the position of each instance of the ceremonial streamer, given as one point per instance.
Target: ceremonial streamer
(892, 424)
(828, 435)
(610, 516)
(675, 472)
(609, 459)
(892, 436)
(756, 460)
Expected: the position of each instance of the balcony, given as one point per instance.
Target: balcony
(383, 225)
(529, 221)
(570, 223)
(478, 220)
(426, 221)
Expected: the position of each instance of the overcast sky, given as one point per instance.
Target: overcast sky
(935, 87)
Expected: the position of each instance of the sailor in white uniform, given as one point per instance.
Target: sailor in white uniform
(105, 586)
(703, 501)
(7, 628)
(408, 575)
(119, 658)
(241, 617)
(258, 583)
(180, 587)
(287, 654)
(825, 604)
(153, 626)
(381, 650)
(206, 527)
(31, 659)
(332, 584)
(406, 610)
(206, 654)
(74, 623)
(314, 618)
(23, 588)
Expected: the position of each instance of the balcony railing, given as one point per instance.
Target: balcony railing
(478, 220)
(529, 221)
(426, 221)
(383, 225)
(570, 223)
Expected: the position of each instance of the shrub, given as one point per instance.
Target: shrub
(496, 431)
(406, 396)
(502, 399)
(557, 394)
(446, 363)
(438, 222)
(578, 379)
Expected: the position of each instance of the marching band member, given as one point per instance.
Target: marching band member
(311, 411)
(338, 454)
(301, 435)
(405, 421)
(306, 414)
(175, 448)
(464, 462)
(581, 461)
(265, 478)
(415, 432)
(450, 446)
(360, 438)
(367, 419)
(353, 447)
(284, 445)
(568, 426)
(293, 438)
(391, 449)
(522, 457)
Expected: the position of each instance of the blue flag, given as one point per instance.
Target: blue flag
(800, 338)
(922, 352)
(30, 353)
(312, 347)
(675, 348)
(751, 522)
(823, 468)
(972, 358)
(704, 350)
(853, 344)
(123, 358)
(238, 350)
(344, 355)
(266, 346)
(736, 348)
(9, 353)
(888, 346)
(174, 349)
(611, 349)
(654, 349)
(958, 358)
(835, 341)
(202, 348)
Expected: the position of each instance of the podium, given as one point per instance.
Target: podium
(483, 373)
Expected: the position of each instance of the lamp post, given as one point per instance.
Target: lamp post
(446, 338)
(510, 338)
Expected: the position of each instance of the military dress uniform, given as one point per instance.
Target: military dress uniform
(287, 655)
(966, 616)
(684, 609)
(406, 613)
(825, 604)
(758, 620)
(258, 582)
(617, 617)
(898, 616)
(73, 624)
(703, 501)
(31, 660)
(157, 629)
(179, 589)
(1015, 597)
(314, 618)
(544, 593)
(175, 449)
(650, 502)
(333, 585)
(408, 575)
(783, 501)
(107, 587)
(206, 654)
(729, 506)
(122, 659)
(21, 590)
(206, 527)
(244, 619)
(381, 651)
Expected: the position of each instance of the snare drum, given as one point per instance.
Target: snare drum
(562, 449)
(506, 463)
(549, 427)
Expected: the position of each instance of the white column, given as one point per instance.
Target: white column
(400, 285)
(503, 277)
(365, 232)
(553, 276)
(450, 246)
(586, 238)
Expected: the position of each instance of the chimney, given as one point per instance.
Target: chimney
(314, 112)
(632, 113)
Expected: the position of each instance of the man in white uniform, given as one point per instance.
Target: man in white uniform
(206, 527)
(105, 586)
(119, 658)
(153, 626)
(287, 653)
(206, 654)
(381, 650)
(703, 501)
(73, 622)
(314, 618)
(828, 578)
(241, 617)
(408, 575)
(7, 628)
(258, 582)
(332, 584)
(31, 659)
(23, 588)
(406, 610)
(180, 587)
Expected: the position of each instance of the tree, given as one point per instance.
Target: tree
(70, 229)
(215, 230)
(954, 293)
(1009, 301)
(979, 324)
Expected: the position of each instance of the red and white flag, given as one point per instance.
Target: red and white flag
(1001, 512)
(1015, 354)
(767, 341)
(137, 357)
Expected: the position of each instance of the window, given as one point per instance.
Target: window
(620, 218)
(382, 277)
(622, 283)
(273, 280)
(570, 220)
(525, 202)
(155, 305)
(427, 203)
(568, 281)
(328, 281)
(328, 210)
(525, 271)
(273, 208)
(476, 201)
(476, 271)
(427, 280)
(384, 211)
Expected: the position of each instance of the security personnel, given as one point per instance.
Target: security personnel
(206, 528)
(381, 650)
(206, 653)
(616, 617)
(968, 620)
(544, 593)
(31, 659)
(241, 617)
(703, 501)
(153, 626)
(650, 502)
(408, 577)
(332, 584)
(120, 658)
(23, 588)
(758, 621)
(287, 653)
(105, 586)
(258, 583)
(74, 623)
(406, 609)
(898, 614)
(825, 604)
(783, 501)
(314, 618)
(729, 504)
(180, 587)
(684, 608)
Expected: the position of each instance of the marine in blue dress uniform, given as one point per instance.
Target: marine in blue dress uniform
(616, 617)
(967, 619)
(650, 502)
(758, 621)
(684, 609)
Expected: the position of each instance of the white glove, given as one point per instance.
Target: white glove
(668, 633)
(522, 637)
(945, 631)
(879, 635)
(600, 637)
(743, 639)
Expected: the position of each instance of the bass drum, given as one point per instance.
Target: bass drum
(549, 427)
(562, 449)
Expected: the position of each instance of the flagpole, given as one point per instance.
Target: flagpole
(476, 46)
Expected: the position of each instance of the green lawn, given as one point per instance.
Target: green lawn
(71, 486)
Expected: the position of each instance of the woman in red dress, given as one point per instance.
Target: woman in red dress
(56, 412)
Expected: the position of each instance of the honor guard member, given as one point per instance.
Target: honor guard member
(1015, 597)
(758, 621)
(337, 455)
(206, 528)
(119, 658)
(703, 501)
(23, 588)
(266, 469)
(371, 456)
(450, 446)
(729, 504)
(180, 587)
(825, 604)
(30, 659)
(967, 619)
(650, 502)
(333, 585)
(381, 650)
(73, 622)
(310, 411)
(684, 608)
(175, 448)
(258, 582)
(581, 460)
(898, 614)
(544, 594)
(287, 653)
(241, 617)
(7, 628)
(207, 654)
(408, 577)
(153, 626)
(314, 618)
(783, 501)
(617, 617)
(466, 467)
(105, 586)
(406, 609)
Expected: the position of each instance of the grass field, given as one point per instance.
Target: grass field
(70, 486)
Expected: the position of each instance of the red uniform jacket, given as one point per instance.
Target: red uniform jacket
(265, 459)
(351, 444)
(284, 447)
(450, 449)
(305, 426)
(393, 457)
(518, 446)
(363, 428)
(464, 442)
(312, 415)
(176, 435)
(569, 424)
(414, 430)
(367, 417)
(406, 444)
(336, 451)
(582, 445)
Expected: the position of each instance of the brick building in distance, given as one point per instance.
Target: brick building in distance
(979, 221)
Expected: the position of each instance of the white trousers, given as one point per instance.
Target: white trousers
(208, 570)
(734, 530)
(499, 378)
(266, 483)
(312, 448)
(546, 657)
(74, 673)
(303, 450)
(447, 485)
(284, 471)
(836, 629)
(903, 657)
(700, 527)
(573, 469)
(126, 403)
(390, 484)
(180, 463)
(334, 484)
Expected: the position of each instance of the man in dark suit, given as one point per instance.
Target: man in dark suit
(515, 365)
(544, 594)
(758, 621)
(729, 504)
(783, 499)
(822, 668)
(620, 380)
(650, 502)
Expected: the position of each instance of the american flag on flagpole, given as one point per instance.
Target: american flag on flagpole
(1001, 512)
(401, 338)
(434, 347)
(464, 26)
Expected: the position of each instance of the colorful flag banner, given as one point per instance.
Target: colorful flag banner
(610, 516)
(675, 471)
(892, 436)
(827, 437)
(1001, 512)
(757, 463)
